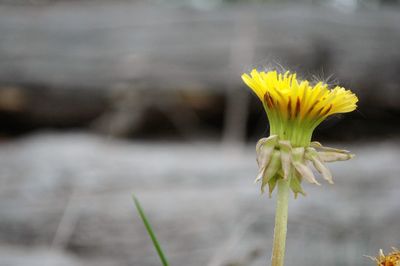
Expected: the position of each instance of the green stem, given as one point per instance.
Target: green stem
(281, 218)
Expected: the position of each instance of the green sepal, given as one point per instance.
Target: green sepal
(295, 186)
(272, 169)
(301, 166)
(264, 150)
(286, 150)
(272, 184)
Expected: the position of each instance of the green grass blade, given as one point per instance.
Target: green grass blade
(150, 231)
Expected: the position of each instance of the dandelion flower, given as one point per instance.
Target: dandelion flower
(294, 109)
(392, 259)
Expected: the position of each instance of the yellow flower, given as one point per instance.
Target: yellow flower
(392, 259)
(296, 107)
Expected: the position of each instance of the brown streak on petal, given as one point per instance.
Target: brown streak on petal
(268, 99)
(297, 107)
(319, 111)
(327, 110)
(312, 107)
(289, 107)
(271, 99)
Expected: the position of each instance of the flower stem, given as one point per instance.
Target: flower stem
(281, 218)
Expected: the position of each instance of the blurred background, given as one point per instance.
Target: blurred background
(101, 99)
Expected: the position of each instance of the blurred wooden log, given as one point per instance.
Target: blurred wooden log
(71, 50)
(242, 52)
(101, 44)
(198, 198)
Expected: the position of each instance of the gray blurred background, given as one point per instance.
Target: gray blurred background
(101, 99)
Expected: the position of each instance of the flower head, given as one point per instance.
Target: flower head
(294, 109)
(392, 259)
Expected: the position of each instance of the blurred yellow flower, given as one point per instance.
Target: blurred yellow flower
(392, 259)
